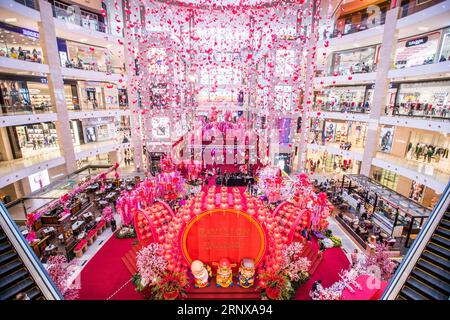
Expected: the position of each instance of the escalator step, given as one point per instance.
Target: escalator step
(10, 267)
(12, 278)
(9, 255)
(443, 232)
(22, 286)
(443, 252)
(34, 293)
(445, 223)
(2, 237)
(425, 290)
(435, 271)
(440, 241)
(433, 282)
(5, 246)
(437, 260)
(409, 294)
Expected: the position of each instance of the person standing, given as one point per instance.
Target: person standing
(354, 257)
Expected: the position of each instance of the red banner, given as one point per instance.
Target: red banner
(223, 233)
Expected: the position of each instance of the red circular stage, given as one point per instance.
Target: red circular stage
(219, 233)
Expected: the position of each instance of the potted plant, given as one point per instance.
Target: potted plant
(276, 286)
(171, 286)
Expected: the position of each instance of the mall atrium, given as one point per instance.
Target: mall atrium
(224, 149)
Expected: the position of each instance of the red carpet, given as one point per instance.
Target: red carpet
(105, 273)
(334, 260)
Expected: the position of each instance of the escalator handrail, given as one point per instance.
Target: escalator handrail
(28, 257)
(409, 261)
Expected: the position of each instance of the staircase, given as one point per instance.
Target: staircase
(430, 277)
(14, 277)
(129, 259)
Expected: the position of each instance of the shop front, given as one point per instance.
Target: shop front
(348, 62)
(24, 94)
(31, 140)
(419, 50)
(74, 14)
(424, 99)
(20, 43)
(86, 57)
(343, 99)
(358, 16)
(324, 163)
(99, 129)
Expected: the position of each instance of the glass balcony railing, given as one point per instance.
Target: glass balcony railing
(33, 4)
(411, 7)
(343, 107)
(69, 14)
(93, 67)
(25, 109)
(350, 28)
(423, 111)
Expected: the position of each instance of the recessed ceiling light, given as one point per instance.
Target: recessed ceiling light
(10, 19)
(423, 28)
(83, 40)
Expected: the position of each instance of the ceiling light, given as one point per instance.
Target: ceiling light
(423, 28)
(10, 19)
(83, 40)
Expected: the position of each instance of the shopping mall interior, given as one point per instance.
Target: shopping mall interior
(316, 133)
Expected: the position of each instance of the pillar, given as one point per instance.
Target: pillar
(385, 62)
(47, 35)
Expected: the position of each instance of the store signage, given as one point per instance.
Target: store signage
(416, 42)
(23, 31)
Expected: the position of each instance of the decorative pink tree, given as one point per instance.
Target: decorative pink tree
(107, 214)
(380, 262)
(60, 272)
(151, 264)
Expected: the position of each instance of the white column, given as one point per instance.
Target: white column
(381, 88)
(47, 35)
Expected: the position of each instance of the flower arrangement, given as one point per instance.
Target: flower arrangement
(347, 281)
(125, 232)
(294, 265)
(171, 286)
(61, 272)
(151, 264)
(380, 261)
(275, 286)
(337, 242)
(107, 214)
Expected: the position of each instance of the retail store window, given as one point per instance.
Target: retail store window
(92, 58)
(353, 61)
(20, 43)
(444, 54)
(417, 51)
(283, 98)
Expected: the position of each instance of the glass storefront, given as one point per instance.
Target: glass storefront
(20, 43)
(24, 95)
(353, 19)
(349, 62)
(99, 129)
(429, 99)
(86, 57)
(444, 54)
(75, 15)
(417, 51)
(342, 99)
(346, 134)
(324, 163)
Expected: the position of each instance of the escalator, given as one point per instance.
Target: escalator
(424, 273)
(14, 277)
(20, 269)
(430, 278)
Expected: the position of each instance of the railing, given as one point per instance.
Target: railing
(28, 257)
(16, 56)
(357, 27)
(342, 107)
(69, 14)
(93, 67)
(25, 109)
(414, 253)
(33, 4)
(422, 113)
(413, 7)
